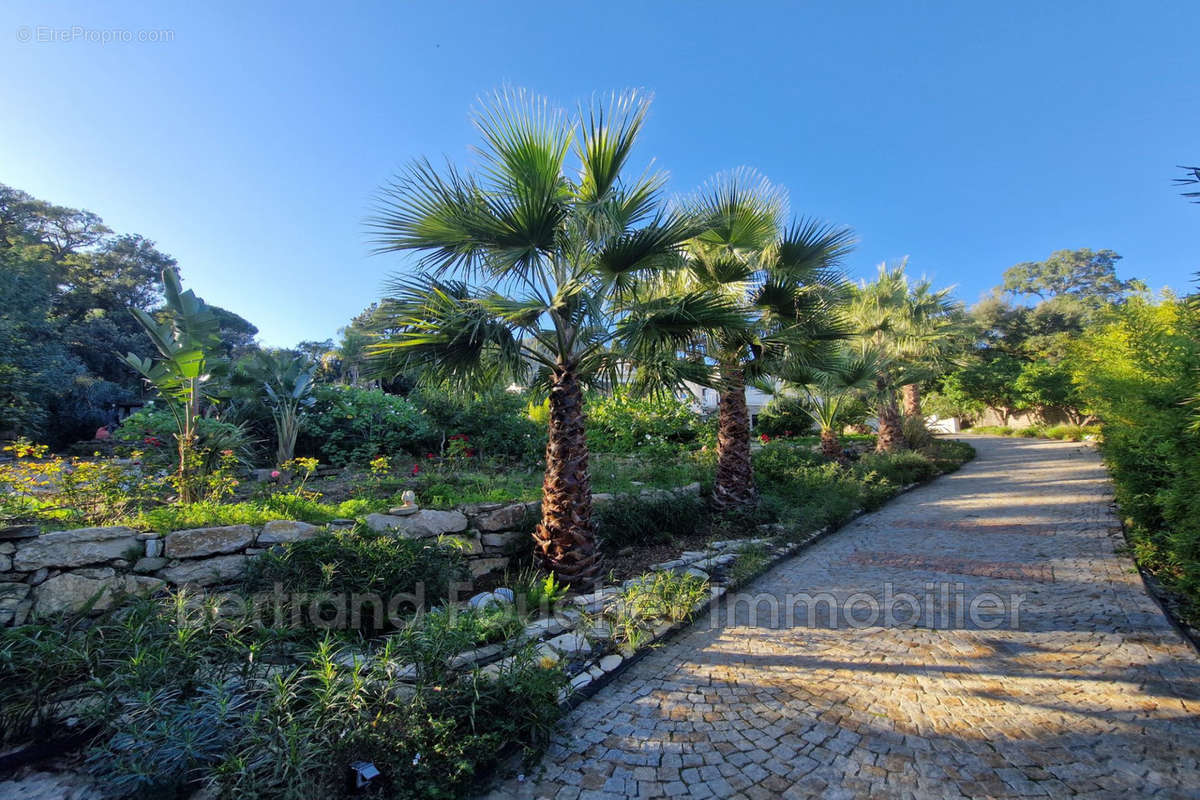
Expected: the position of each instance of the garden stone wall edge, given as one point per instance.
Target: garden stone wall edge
(95, 568)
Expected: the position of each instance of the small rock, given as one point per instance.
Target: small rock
(8, 532)
(543, 627)
(422, 525)
(581, 680)
(611, 662)
(468, 657)
(206, 572)
(504, 541)
(500, 597)
(208, 541)
(600, 631)
(283, 531)
(482, 566)
(75, 548)
(501, 519)
(570, 644)
(142, 584)
(70, 592)
(403, 511)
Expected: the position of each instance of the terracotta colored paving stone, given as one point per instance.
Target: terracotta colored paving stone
(1082, 689)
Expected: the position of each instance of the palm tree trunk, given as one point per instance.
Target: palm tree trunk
(891, 432)
(831, 448)
(912, 399)
(734, 486)
(565, 539)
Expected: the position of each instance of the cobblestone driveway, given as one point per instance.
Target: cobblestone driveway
(1093, 693)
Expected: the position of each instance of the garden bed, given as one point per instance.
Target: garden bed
(186, 690)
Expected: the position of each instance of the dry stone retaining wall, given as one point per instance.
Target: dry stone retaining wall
(45, 574)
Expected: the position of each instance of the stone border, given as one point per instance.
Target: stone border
(94, 569)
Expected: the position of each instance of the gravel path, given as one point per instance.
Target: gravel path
(978, 637)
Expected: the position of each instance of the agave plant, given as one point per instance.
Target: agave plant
(786, 280)
(531, 269)
(185, 341)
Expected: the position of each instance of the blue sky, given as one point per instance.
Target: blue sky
(968, 136)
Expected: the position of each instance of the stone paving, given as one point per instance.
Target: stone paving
(977, 637)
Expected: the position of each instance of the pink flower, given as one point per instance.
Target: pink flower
(275, 473)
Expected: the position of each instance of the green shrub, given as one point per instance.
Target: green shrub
(777, 461)
(949, 454)
(1069, 433)
(652, 598)
(361, 562)
(164, 741)
(207, 514)
(901, 468)
(183, 697)
(151, 431)
(623, 423)
(992, 430)
(750, 561)
(784, 416)
(634, 520)
(429, 740)
(536, 592)
(1137, 373)
(496, 424)
(352, 426)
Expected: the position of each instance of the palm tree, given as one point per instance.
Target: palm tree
(787, 282)
(558, 251)
(911, 328)
(826, 387)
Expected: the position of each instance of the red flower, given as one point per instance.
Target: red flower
(430, 455)
(764, 438)
(787, 433)
(416, 468)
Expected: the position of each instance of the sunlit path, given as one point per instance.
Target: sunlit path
(1067, 681)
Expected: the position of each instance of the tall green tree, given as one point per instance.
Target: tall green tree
(530, 269)
(911, 328)
(787, 282)
(1083, 273)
